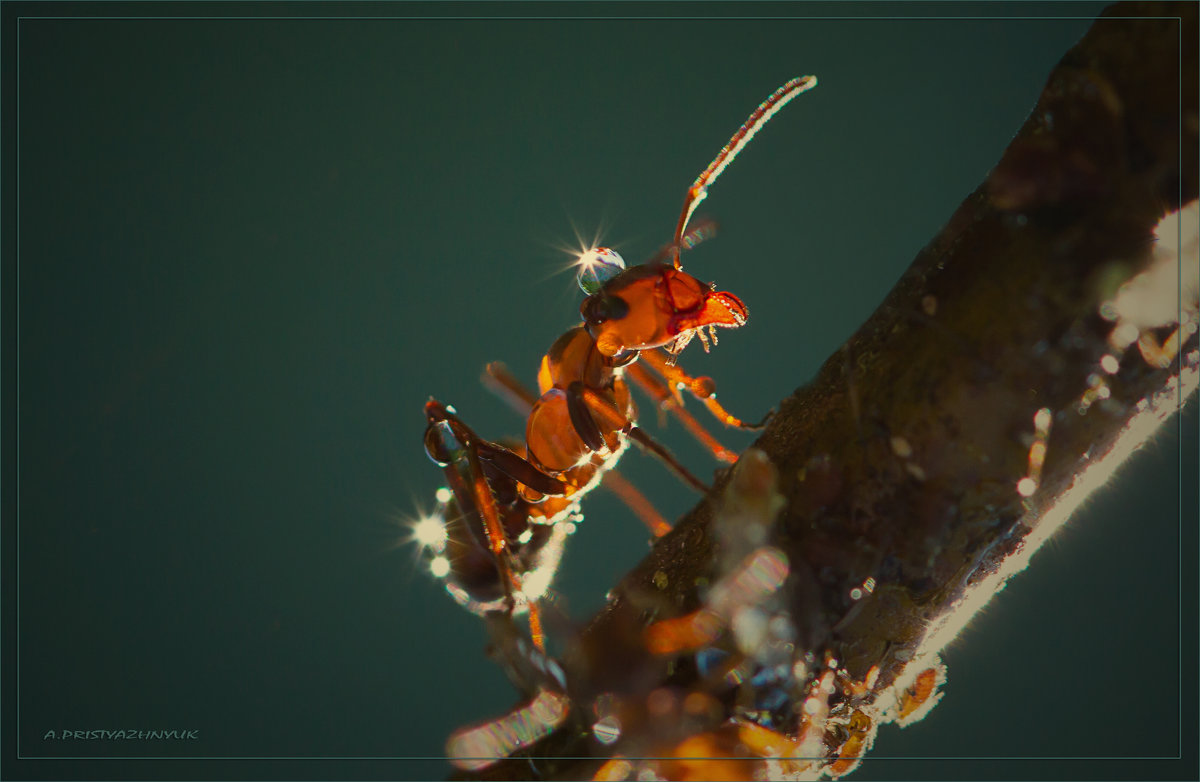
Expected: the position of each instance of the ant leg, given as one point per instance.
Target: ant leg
(485, 502)
(535, 627)
(520, 469)
(649, 444)
(497, 456)
(586, 406)
(502, 383)
(637, 502)
(703, 388)
(442, 424)
(668, 400)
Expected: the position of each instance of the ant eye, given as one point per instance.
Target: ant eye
(598, 308)
(596, 267)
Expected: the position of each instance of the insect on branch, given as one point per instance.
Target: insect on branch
(1039, 337)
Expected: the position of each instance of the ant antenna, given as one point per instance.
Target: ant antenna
(699, 189)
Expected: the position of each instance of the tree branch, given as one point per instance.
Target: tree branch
(1020, 356)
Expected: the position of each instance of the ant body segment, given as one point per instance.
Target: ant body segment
(506, 512)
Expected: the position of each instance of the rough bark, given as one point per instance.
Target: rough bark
(901, 461)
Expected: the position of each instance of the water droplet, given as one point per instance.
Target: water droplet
(596, 267)
(607, 730)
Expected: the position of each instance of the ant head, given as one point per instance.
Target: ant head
(602, 307)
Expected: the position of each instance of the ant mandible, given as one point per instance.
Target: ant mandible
(501, 519)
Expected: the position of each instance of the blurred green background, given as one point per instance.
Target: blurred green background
(250, 249)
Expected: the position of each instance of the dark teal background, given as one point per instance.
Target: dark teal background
(249, 250)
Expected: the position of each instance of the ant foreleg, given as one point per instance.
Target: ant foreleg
(703, 388)
(668, 399)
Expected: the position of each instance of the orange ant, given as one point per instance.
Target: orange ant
(503, 517)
